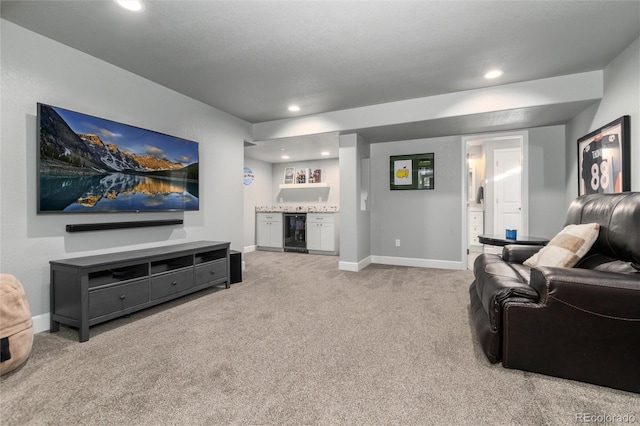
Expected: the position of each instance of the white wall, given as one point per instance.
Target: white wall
(621, 97)
(355, 222)
(362, 197)
(258, 193)
(264, 191)
(546, 186)
(329, 196)
(37, 69)
(427, 222)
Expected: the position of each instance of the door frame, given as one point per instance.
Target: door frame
(523, 137)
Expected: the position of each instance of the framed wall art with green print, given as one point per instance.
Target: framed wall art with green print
(414, 171)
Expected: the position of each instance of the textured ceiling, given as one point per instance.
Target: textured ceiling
(254, 58)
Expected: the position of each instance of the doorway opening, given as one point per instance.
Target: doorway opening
(495, 195)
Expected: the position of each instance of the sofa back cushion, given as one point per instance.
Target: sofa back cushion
(619, 218)
(601, 262)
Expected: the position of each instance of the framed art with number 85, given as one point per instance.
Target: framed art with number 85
(604, 160)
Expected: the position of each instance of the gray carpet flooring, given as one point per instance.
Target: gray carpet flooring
(297, 342)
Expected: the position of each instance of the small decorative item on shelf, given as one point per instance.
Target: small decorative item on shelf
(289, 174)
(301, 177)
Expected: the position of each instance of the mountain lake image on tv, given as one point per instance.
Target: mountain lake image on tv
(89, 164)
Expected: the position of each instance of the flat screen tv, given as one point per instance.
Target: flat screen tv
(88, 164)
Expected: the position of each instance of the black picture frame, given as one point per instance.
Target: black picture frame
(604, 159)
(410, 172)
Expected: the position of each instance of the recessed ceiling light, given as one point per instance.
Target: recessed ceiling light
(294, 108)
(132, 5)
(325, 153)
(285, 157)
(493, 74)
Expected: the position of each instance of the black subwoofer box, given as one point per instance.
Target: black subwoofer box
(236, 266)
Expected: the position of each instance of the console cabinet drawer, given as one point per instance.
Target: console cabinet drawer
(320, 218)
(212, 271)
(172, 283)
(118, 298)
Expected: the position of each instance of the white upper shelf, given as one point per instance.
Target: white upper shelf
(303, 185)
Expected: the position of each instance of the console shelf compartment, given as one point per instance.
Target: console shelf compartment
(89, 290)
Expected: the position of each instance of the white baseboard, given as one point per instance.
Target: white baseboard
(355, 266)
(398, 261)
(348, 266)
(41, 322)
(248, 249)
(420, 263)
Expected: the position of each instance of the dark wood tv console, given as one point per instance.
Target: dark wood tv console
(89, 290)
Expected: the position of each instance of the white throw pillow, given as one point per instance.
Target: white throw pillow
(567, 248)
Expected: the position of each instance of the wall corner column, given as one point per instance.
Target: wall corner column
(355, 234)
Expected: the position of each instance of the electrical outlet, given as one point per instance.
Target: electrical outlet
(397, 242)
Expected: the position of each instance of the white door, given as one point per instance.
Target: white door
(507, 190)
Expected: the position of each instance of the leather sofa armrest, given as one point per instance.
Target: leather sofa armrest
(498, 282)
(607, 294)
(516, 253)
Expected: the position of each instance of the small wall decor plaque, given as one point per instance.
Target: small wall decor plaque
(248, 176)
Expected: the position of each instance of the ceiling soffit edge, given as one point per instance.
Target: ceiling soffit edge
(567, 89)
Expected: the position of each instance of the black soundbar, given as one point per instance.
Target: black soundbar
(82, 227)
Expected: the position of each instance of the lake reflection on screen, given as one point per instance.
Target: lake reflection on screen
(116, 192)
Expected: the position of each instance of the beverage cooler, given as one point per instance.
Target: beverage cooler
(295, 232)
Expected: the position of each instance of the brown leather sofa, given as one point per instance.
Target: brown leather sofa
(580, 323)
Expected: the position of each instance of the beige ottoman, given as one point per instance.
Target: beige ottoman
(16, 326)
